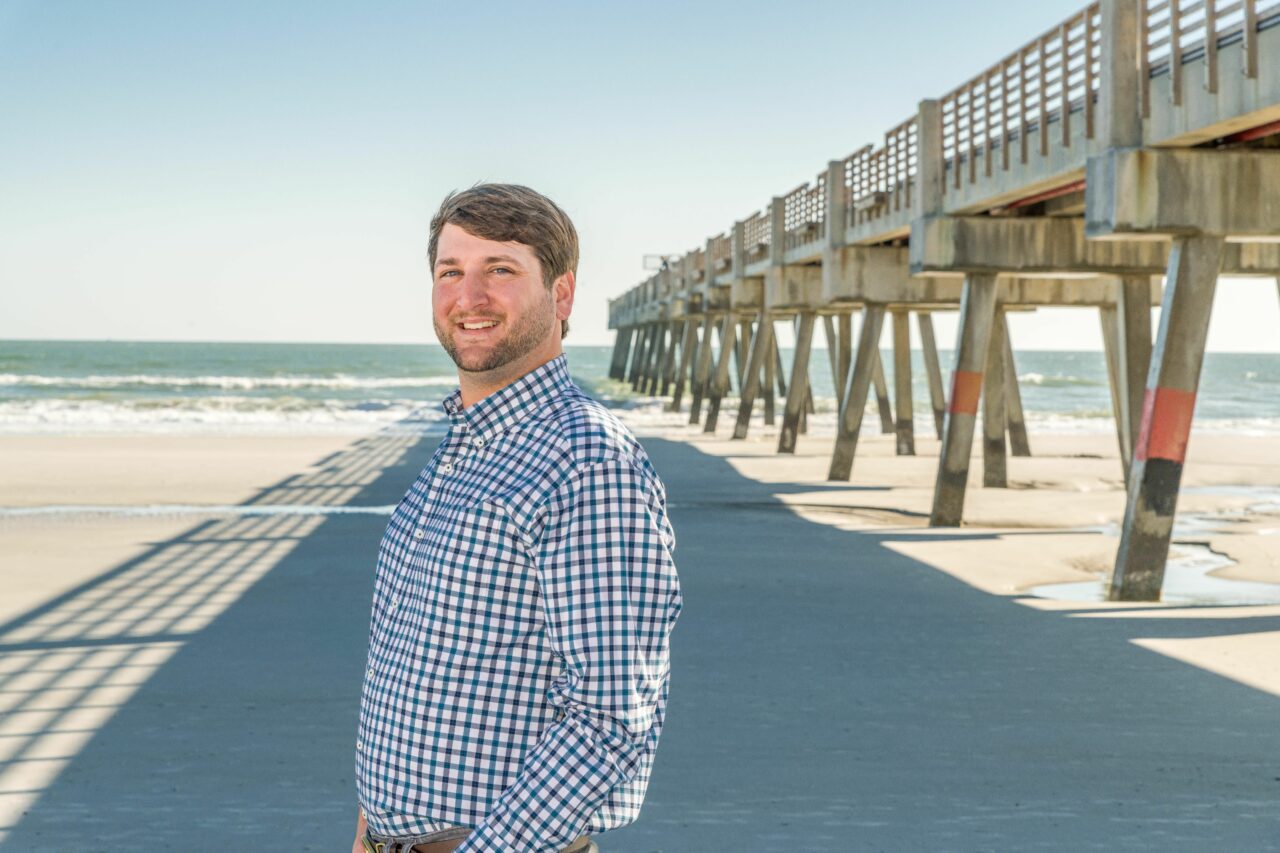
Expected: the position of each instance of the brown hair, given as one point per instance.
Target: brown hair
(511, 213)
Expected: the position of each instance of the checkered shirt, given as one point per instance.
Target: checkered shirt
(518, 651)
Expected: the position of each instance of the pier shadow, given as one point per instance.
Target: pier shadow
(828, 694)
(203, 696)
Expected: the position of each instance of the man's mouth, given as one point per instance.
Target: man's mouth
(473, 325)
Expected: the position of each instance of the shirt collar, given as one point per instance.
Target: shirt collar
(517, 402)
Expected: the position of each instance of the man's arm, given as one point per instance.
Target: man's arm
(610, 595)
(357, 846)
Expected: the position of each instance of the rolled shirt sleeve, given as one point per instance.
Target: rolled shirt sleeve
(611, 595)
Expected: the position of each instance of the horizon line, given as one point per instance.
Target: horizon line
(816, 344)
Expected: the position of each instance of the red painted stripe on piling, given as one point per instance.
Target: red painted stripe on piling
(1166, 424)
(966, 389)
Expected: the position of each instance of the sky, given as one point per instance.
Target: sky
(267, 171)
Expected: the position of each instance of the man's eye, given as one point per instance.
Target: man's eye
(448, 273)
(501, 269)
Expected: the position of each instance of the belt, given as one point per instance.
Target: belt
(582, 844)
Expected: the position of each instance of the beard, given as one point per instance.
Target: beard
(523, 337)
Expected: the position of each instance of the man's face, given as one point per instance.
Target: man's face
(492, 312)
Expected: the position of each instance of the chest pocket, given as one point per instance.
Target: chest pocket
(482, 584)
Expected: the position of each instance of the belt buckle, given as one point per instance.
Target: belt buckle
(373, 846)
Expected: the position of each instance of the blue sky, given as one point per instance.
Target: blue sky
(266, 171)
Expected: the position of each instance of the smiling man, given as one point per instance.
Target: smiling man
(524, 592)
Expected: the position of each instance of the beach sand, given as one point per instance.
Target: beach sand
(154, 658)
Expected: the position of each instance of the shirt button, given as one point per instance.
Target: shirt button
(418, 534)
(447, 467)
(478, 442)
(371, 672)
(359, 746)
(395, 602)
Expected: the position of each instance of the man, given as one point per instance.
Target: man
(524, 593)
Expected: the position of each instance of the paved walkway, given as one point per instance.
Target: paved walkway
(829, 695)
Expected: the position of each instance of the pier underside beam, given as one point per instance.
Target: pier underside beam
(1157, 192)
(1156, 470)
(977, 313)
(1027, 246)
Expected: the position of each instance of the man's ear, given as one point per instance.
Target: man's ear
(562, 290)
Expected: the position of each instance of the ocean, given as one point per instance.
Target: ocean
(93, 386)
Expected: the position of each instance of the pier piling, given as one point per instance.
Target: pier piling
(977, 313)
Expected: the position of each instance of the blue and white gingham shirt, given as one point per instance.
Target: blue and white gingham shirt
(518, 650)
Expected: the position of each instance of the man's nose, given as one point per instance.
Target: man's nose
(473, 290)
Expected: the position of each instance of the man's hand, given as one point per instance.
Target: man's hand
(357, 846)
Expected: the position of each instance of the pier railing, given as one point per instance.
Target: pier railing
(1023, 129)
(804, 214)
(1043, 82)
(721, 249)
(1177, 31)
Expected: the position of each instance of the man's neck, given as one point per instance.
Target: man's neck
(476, 386)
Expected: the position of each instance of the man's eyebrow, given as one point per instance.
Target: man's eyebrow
(489, 260)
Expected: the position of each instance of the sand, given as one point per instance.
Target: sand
(901, 686)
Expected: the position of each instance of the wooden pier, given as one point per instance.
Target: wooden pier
(1137, 139)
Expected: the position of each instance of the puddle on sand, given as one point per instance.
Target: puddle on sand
(1266, 498)
(1186, 582)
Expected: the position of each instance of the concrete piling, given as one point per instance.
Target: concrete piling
(770, 368)
(641, 356)
(688, 345)
(849, 423)
(759, 351)
(906, 440)
(676, 335)
(1018, 443)
(885, 408)
(1115, 382)
(929, 349)
(621, 349)
(1156, 470)
(1133, 325)
(977, 313)
(995, 466)
(799, 386)
(658, 362)
(702, 370)
(720, 381)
